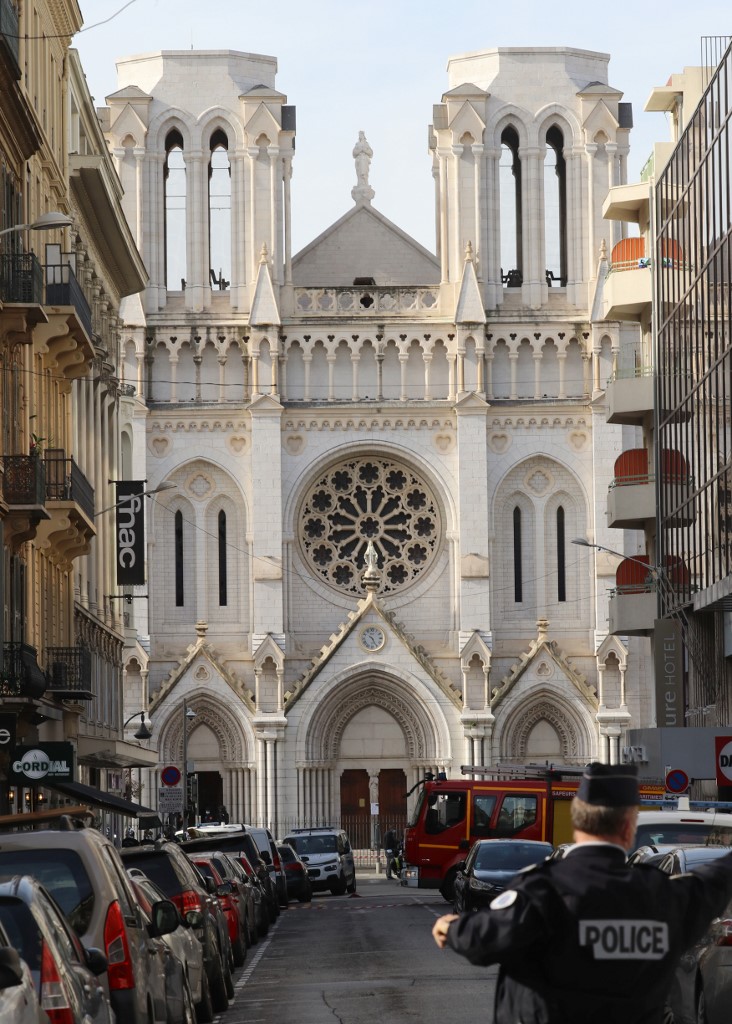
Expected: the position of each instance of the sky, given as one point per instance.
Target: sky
(379, 67)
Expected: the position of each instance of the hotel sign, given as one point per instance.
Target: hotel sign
(669, 673)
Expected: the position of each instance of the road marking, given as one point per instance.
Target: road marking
(249, 969)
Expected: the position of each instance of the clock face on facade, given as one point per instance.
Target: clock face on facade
(372, 638)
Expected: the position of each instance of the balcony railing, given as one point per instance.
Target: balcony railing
(24, 480)
(9, 31)
(366, 301)
(21, 278)
(20, 675)
(62, 289)
(69, 672)
(66, 482)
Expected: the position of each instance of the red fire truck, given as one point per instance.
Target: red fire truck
(518, 803)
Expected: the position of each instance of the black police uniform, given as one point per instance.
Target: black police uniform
(589, 939)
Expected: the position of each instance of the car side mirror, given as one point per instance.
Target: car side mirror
(165, 919)
(225, 889)
(96, 961)
(194, 919)
(460, 866)
(266, 857)
(11, 968)
(210, 885)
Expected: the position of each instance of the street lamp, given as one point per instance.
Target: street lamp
(166, 485)
(654, 571)
(46, 222)
(188, 715)
(143, 732)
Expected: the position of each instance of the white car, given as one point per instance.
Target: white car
(683, 827)
(18, 999)
(329, 858)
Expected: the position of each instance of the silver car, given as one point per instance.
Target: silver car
(18, 998)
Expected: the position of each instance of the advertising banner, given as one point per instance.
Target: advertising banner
(42, 763)
(723, 757)
(130, 514)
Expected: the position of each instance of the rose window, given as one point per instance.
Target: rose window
(369, 500)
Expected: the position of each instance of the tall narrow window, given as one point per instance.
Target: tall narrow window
(179, 559)
(219, 212)
(561, 557)
(222, 557)
(518, 581)
(511, 213)
(555, 208)
(174, 178)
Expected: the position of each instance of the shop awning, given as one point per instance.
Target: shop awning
(109, 801)
(109, 753)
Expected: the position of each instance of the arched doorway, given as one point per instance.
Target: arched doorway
(366, 820)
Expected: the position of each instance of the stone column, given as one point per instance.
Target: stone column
(492, 259)
(355, 359)
(562, 361)
(403, 377)
(273, 152)
(591, 150)
(537, 375)
(287, 176)
(442, 155)
(513, 361)
(427, 360)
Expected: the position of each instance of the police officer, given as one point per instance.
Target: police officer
(589, 938)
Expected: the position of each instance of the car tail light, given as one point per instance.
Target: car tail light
(119, 964)
(187, 900)
(723, 932)
(294, 867)
(54, 999)
(247, 867)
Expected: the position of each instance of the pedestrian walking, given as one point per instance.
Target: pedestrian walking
(589, 938)
(391, 845)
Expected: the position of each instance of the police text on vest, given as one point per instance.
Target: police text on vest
(625, 940)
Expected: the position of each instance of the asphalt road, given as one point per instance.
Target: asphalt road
(363, 959)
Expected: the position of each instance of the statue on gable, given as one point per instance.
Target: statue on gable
(362, 154)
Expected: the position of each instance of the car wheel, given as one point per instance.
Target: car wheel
(701, 1008)
(219, 995)
(229, 982)
(305, 896)
(238, 950)
(204, 1009)
(447, 889)
(339, 886)
(352, 886)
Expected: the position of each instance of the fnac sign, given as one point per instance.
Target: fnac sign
(723, 759)
(130, 533)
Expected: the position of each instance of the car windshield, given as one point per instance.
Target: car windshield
(681, 833)
(313, 844)
(160, 870)
(501, 857)
(63, 874)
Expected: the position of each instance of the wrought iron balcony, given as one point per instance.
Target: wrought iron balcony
(62, 289)
(21, 278)
(24, 481)
(66, 482)
(69, 673)
(9, 34)
(20, 675)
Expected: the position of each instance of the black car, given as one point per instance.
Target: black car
(491, 864)
(299, 885)
(171, 870)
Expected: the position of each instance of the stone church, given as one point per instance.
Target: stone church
(380, 454)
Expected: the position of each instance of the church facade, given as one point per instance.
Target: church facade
(380, 454)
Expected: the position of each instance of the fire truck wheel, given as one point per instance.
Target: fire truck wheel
(447, 889)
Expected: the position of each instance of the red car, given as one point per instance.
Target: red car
(229, 900)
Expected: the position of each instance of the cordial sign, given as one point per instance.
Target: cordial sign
(130, 533)
(34, 764)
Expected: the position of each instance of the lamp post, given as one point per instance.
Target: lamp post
(143, 732)
(188, 715)
(46, 222)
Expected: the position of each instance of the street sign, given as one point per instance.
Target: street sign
(677, 781)
(170, 799)
(170, 775)
(723, 759)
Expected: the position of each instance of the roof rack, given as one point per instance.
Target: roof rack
(524, 771)
(56, 815)
(315, 828)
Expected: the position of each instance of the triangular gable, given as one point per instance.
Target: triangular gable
(369, 607)
(467, 119)
(470, 308)
(265, 311)
(200, 651)
(466, 90)
(613, 645)
(476, 645)
(599, 89)
(364, 243)
(269, 648)
(263, 122)
(130, 92)
(600, 118)
(543, 647)
(129, 122)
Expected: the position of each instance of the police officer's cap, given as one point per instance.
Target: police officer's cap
(609, 785)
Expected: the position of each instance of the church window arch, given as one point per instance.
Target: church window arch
(511, 217)
(175, 201)
(561, 557)
(219, 211)
(555, 208)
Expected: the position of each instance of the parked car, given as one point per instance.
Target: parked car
(166, 864)
(683, 828)
(241, 843)
(702, 989)
(649, 854)
(82, 870)
(268, 852)
(230, 904)
(261, 910)
(246, 888)
(490, 865)
(328, 855)
(299, 886)
(18, 997)
(185, 946)
(66, 976)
